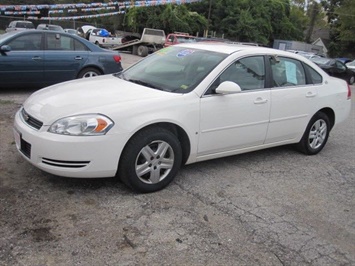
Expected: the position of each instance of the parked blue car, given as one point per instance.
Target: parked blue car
(38, 58)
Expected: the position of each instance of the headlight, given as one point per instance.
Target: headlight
(82, 125)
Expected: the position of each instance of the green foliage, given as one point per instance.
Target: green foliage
(346, 15)
(169, 17)
(341, 19)
(259, 21)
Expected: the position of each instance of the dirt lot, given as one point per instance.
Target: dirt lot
(272, 207)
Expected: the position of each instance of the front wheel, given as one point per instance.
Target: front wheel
(88, 73)
(351, 80)
(150, 160)
(316, 135)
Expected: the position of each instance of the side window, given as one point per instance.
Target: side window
(340, 65)
(248, 73)
(56, 41)
(316, 78)
(287, 72)
(78, 46)
(28, 42)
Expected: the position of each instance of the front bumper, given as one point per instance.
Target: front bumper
(70, 156)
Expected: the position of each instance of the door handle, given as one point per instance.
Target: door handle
(260, 101)
(36, 58)
(311, 94)
(78, 58)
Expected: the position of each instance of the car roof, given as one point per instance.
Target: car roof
(183, 35)
(11, 33)
(6, 36)
(22, 21)
(229, 48)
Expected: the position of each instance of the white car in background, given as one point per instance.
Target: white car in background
(183, 104)
(19, 25)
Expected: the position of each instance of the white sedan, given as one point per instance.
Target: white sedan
(183, 104)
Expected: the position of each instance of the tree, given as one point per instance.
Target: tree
(169, 17)
(346, 27)
(341, 20)
(313, 10)
(259, 21)
(346, 16)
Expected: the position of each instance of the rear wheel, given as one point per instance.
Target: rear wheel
(142, 50)
(352, 80)
(316, 135)
(150, 160)
(88, 73)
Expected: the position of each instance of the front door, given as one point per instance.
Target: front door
(233, 122)
(24, 64)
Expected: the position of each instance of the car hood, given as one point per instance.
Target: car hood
(102, 94)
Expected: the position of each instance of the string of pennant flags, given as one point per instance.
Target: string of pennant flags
(33, 11)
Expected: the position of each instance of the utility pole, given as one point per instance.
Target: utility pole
(209, 18)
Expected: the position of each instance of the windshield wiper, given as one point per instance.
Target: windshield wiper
(140, 82)
(119, 75)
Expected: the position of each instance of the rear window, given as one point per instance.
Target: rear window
(185, 39)
(26, 25)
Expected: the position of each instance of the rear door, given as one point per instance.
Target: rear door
(24, 64)
(64, 57)
(293, 100)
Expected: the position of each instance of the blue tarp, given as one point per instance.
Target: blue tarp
(104, 33)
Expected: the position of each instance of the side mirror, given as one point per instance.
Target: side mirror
(5, 49)
(228, 87)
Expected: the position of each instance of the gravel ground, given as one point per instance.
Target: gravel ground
(272, 207)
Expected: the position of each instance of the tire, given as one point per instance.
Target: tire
(151, 174)
(351, 80)
(142, 51)
(88, 73)
(316, 135)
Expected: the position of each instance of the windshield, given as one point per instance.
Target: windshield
(174, 69)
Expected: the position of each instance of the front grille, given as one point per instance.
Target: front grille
(65, 164)
(30, 120)
(25, 148)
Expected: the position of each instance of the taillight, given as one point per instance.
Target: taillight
(117, 58)
(349, 92)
